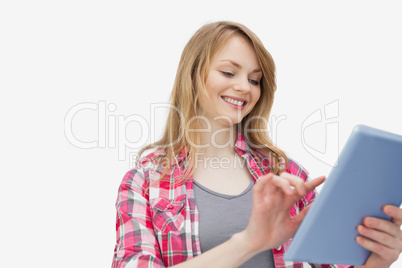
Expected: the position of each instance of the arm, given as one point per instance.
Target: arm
(269, 226)
(231, 253)
(251, 241)
(136, 243)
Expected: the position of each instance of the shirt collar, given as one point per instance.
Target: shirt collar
(241, 142)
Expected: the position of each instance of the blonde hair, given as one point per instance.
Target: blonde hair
(190, 81)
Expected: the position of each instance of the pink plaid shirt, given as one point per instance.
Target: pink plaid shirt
(159, 227)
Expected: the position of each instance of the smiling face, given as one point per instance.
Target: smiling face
(233, 83)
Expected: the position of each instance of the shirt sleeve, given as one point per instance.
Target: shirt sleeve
(136, 244)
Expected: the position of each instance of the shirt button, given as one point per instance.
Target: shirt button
(279, 248)
(170, 206)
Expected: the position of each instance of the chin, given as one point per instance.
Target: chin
(230, 120)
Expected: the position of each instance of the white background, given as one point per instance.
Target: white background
(57, 200)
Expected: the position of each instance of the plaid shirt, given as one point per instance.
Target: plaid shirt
(159, 227)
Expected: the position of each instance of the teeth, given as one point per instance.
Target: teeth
(235, 102)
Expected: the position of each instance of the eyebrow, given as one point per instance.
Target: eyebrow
(239, 66)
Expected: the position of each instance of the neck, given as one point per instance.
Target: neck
(220, 141)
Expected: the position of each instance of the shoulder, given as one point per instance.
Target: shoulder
(144, 171)
(293, 167)
(151, 159)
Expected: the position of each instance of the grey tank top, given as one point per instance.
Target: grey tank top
(221, 216)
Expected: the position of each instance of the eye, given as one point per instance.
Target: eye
(254, 82)
(227, 74)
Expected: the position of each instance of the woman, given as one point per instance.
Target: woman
(192, 194)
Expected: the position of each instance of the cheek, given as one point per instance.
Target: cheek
(257, 95)
(214, 84)
(254, 98)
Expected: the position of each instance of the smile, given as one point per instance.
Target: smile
(232, 101)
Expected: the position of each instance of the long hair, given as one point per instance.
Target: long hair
(190, 81)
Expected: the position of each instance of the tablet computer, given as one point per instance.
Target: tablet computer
(367, 177)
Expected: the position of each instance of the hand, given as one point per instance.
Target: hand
(383, 238)
(270, 224)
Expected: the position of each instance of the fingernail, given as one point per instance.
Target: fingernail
(291, 189)
(388, 209)
(369, 222)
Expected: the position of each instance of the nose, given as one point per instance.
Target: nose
(242, 85)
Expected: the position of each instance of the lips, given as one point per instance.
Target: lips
(234, 104)
(234, 100)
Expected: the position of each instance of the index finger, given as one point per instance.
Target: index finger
(311, 185)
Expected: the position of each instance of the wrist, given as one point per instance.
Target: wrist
(246, 243)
